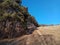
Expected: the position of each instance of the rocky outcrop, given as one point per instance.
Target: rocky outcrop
(15, 19)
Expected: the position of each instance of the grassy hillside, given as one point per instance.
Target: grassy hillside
(47, 35)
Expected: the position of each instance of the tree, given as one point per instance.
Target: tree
(12, 13)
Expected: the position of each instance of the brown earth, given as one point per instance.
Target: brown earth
(47, 35)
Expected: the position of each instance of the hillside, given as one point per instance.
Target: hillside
(15, 20)
(49, 30)
(47, 35)
(18, 27)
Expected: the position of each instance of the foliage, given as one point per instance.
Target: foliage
(14, 18)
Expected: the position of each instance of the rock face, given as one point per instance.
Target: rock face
(15, 19)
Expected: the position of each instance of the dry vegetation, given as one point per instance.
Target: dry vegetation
(49, 30)
(16, 23)
(47, 35)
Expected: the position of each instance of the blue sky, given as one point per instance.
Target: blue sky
(44, 11)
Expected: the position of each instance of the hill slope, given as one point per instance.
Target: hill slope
(47, 35)
(15, 19)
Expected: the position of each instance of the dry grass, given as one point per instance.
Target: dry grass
(47, 35)
(51, 30)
